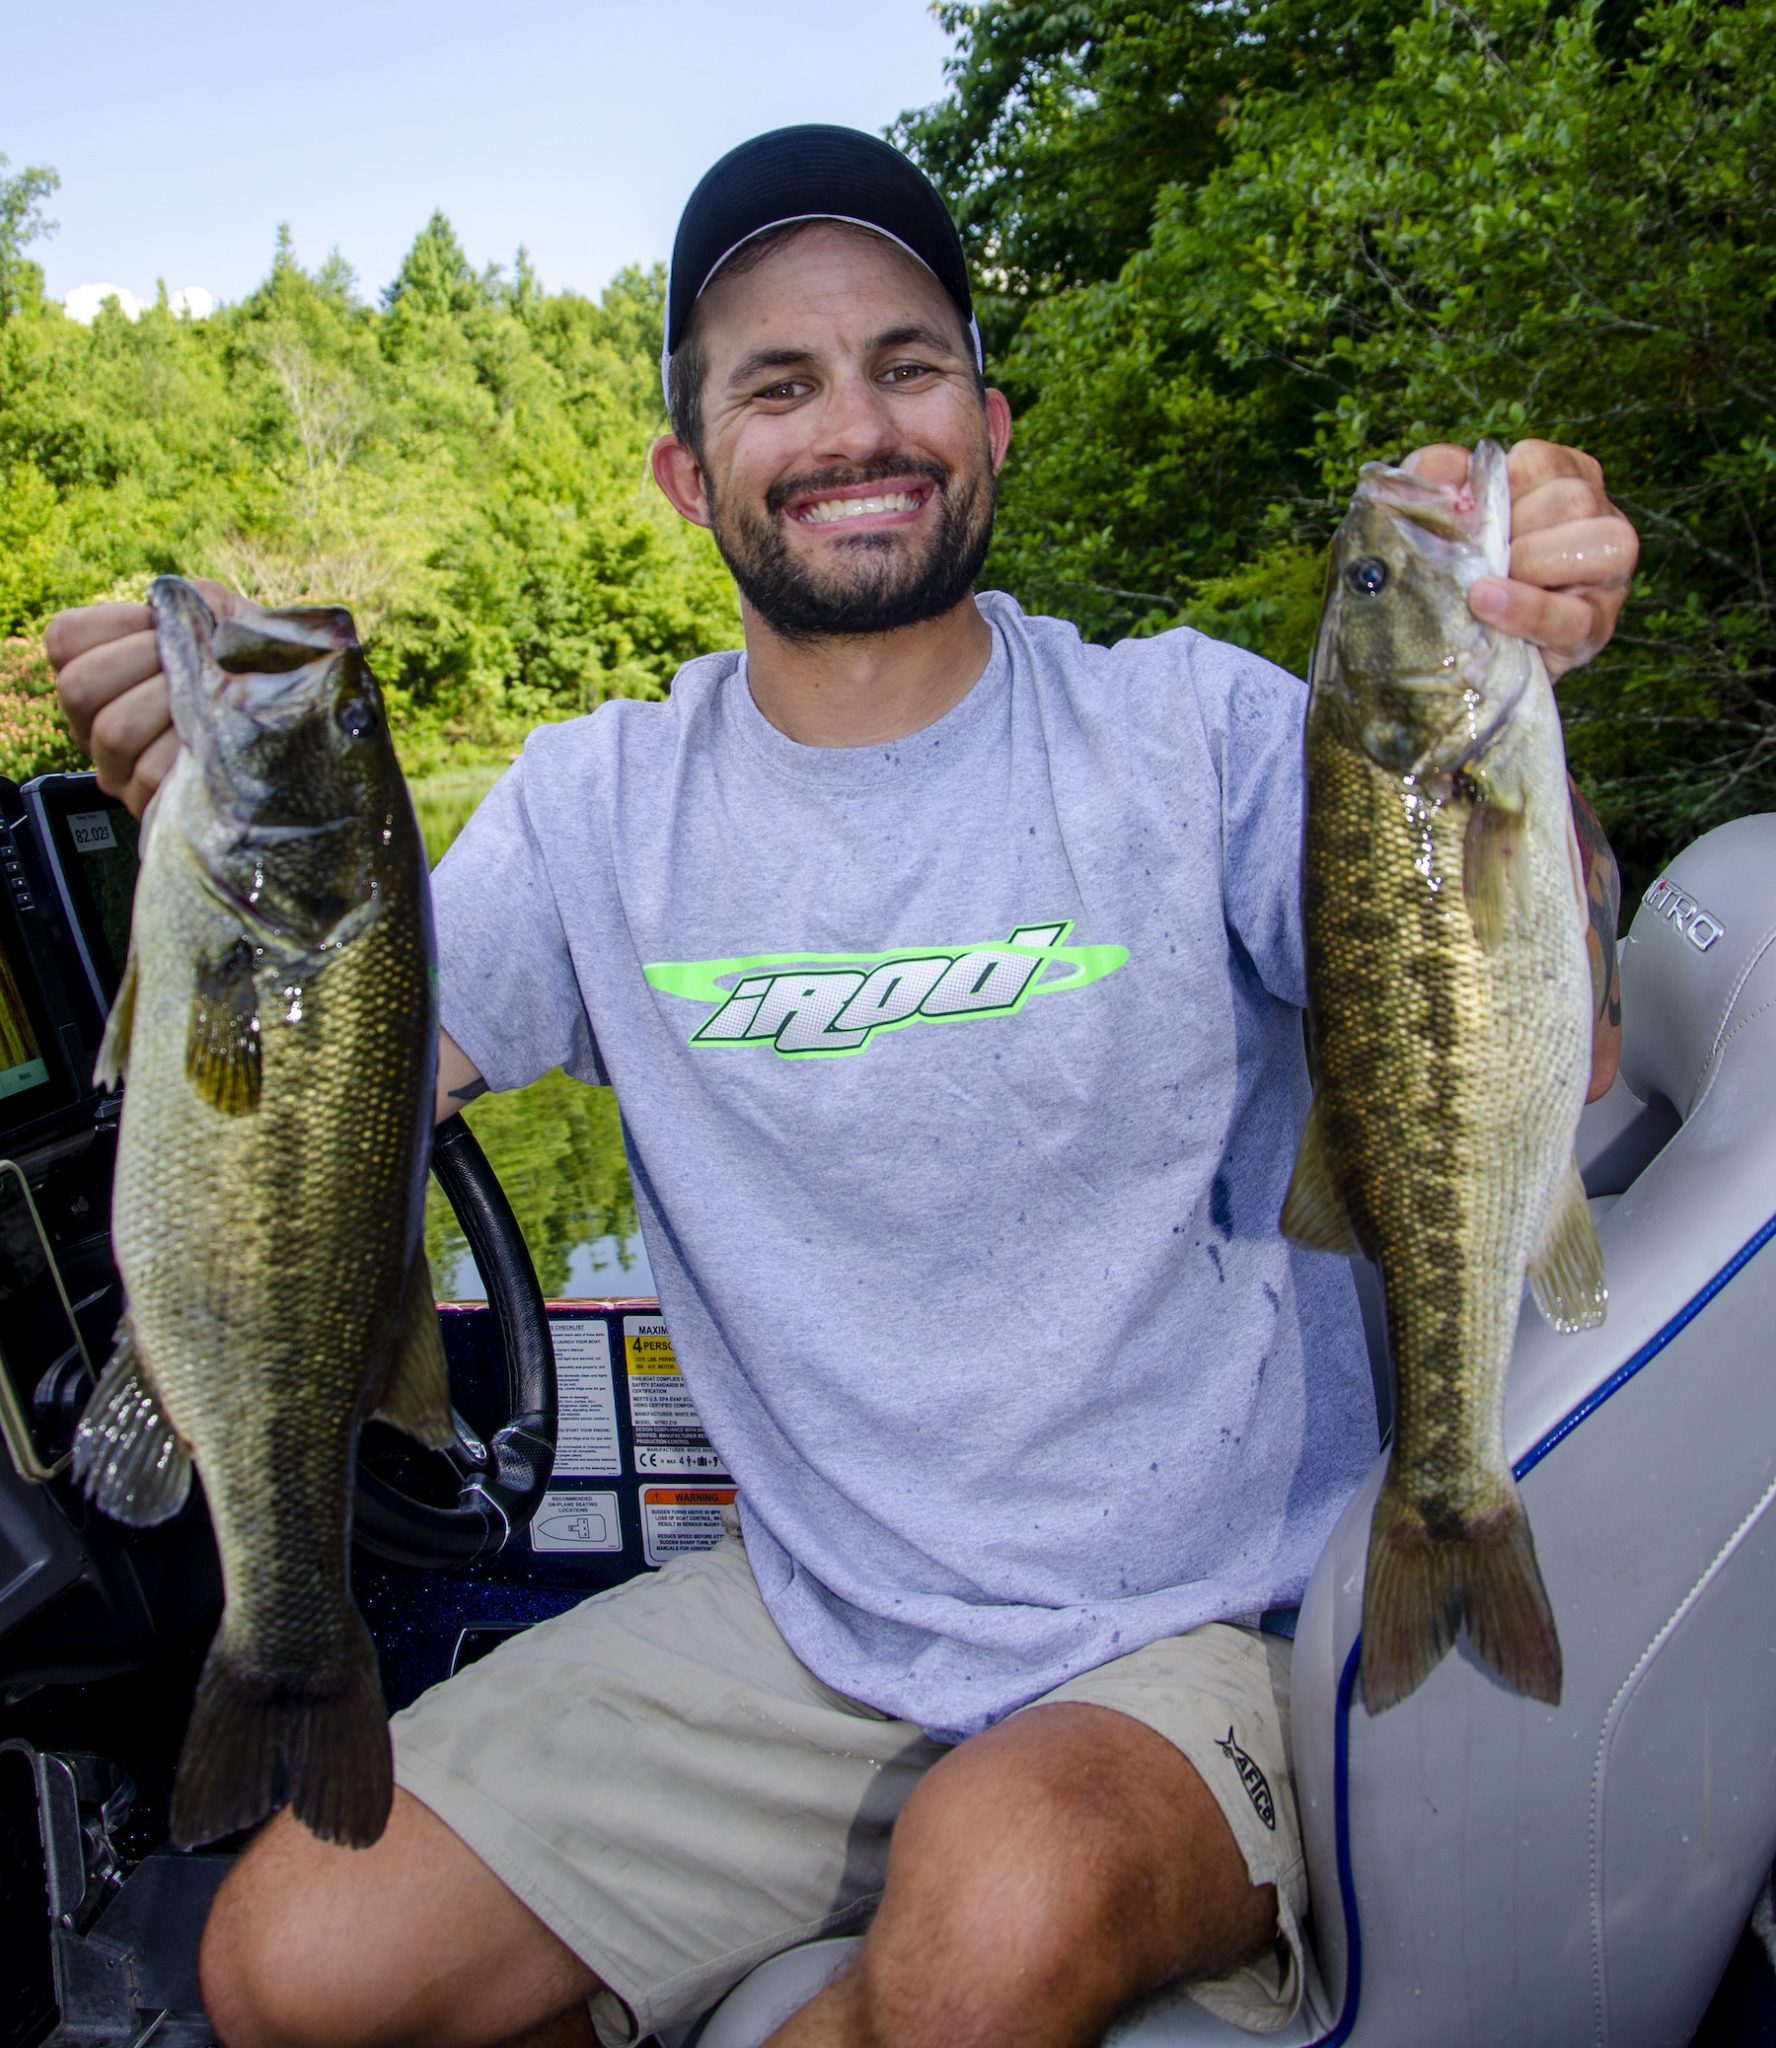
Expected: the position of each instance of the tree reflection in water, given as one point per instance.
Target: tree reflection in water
(557, 1146)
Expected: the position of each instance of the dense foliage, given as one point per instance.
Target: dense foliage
(464, 464)
(1228, 251)
(1242, 248)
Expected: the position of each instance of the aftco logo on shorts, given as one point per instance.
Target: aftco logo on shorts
(1254, 1780)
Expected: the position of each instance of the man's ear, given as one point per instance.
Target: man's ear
(680, 475)
(998, 424)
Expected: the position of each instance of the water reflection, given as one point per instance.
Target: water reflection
(557, 1147)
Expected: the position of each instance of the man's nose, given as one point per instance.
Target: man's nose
(855, 423)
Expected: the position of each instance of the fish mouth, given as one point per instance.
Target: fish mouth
(1473, 519)
(273, 702)
(274, 667)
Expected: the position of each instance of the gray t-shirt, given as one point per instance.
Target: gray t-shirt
(962, 1078)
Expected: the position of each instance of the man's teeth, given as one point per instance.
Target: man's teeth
(829, 509)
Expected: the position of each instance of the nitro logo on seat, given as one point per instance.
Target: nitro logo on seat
(805, 1005)
(1684, 912)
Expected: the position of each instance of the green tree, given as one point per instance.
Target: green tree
(435, 277)
(22, 221)
(1064, 122)
(465, 468)
(1511, 216)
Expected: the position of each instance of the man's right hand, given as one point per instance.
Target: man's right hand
(110, 685)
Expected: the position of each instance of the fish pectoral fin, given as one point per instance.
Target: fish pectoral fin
(113, 1059)
(1495, 879)
(1314, 1214)
(224, 1060)
(416, 1395)
(1566, 1274)
(130, 1459)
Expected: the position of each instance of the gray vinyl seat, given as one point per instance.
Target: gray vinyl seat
(1485, 1869)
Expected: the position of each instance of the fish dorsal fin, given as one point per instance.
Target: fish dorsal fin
(224, 1060)
(130, 1459)
(416, 1395)
(1495, 880)
(113, 1059)
(1314, 1214)
(1566, 1273)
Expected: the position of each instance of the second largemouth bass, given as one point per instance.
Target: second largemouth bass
(277, 1022)
(1450, 995)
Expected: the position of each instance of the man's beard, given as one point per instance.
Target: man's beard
(877, 589)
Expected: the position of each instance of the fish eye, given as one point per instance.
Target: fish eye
(1368, 578)
(356, 718)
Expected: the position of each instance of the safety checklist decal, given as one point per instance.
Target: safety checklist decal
(587, 1447)
(665, 1431)
(579, 1522)
(675, 1519)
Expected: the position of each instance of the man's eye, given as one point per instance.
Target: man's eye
(904, 373)
(789, 388)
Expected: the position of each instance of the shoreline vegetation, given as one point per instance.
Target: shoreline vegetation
(1227, 253)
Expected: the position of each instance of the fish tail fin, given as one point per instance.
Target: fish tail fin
(1421, 1587)
(318, 1740)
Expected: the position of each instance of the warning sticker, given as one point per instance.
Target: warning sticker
(568, 1520)
(668, 1437)
(675, 1519)
(587, 1447)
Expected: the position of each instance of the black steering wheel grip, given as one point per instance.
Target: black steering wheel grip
(505, 1479)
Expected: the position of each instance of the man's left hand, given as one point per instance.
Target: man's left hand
(1572, 552)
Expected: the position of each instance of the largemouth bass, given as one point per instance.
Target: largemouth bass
(1450, 994)
(277, 1021)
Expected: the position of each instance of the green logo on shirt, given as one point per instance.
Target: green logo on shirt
(814, 1005)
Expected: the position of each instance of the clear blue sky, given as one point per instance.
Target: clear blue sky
(185, 130)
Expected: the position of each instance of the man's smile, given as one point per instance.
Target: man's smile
(892, 507)
(864, 497)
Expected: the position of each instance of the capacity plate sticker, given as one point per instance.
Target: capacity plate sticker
(675, 1519)
(587, 1448)
(667, 1434)
(582, 1522)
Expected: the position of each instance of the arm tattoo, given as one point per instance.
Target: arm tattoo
(1603, 894)
(469, 1090)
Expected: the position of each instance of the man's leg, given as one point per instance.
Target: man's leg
(412, 1940)
(1041, 1877)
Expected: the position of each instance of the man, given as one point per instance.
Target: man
(948, 972)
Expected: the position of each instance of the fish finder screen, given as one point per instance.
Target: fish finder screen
(104, 844)
(88, 841)
(22, 1065)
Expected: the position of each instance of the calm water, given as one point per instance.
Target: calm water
(557, 1147)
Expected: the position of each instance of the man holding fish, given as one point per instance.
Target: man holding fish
(1029, 1403)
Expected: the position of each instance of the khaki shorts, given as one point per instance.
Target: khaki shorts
(676, 1797)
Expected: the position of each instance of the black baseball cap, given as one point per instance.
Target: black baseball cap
(811, 172)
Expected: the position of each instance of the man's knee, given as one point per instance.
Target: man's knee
(1068, 1861)
(413, 1939)
(271, 1976)
(1008, 1872)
